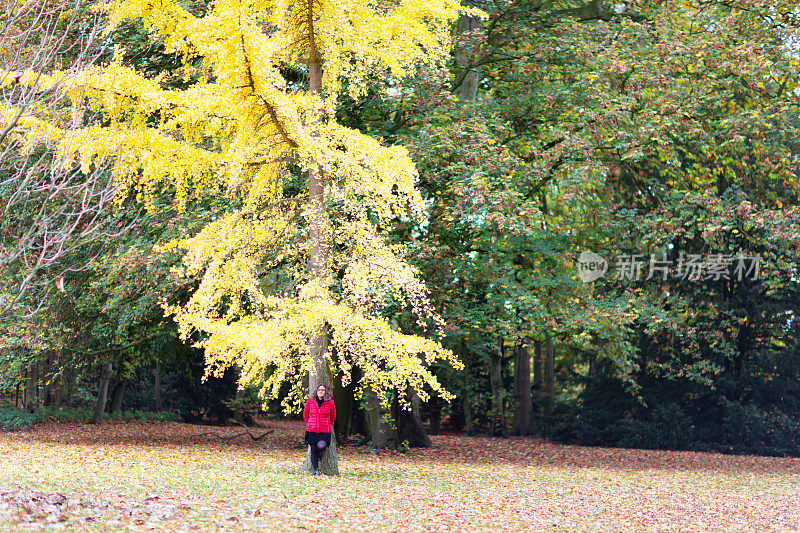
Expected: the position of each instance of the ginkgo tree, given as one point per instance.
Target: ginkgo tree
(244, 128)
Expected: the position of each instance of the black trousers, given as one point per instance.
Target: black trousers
(316, 453)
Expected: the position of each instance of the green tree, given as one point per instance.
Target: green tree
(245, 129)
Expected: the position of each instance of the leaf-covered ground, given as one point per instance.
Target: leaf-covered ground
(163, 476)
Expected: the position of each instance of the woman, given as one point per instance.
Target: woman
(319, 415)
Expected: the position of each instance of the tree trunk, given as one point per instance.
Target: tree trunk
(31, 385)
(549, 374)
(344, 398)
(409, 423)
(468, 76)
(58, 385)
(381, 433)
(68, 377)
(238, 400)
(522, 391)
(49, 377)
(102, 393)
(496, 377)
(316, 259)
(435, 408)
(537, 369)
(421, 438)
(467, 404)
(328, 462)
(116, 398)
(360, 421)
(157, 387)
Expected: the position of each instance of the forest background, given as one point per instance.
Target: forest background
(666, 129)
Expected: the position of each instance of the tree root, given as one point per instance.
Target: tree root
(234, 436)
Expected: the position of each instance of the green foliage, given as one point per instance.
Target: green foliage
(12, 365)
(245, 406)
(666, 128)
(609, 417)
(86, 415)
(402, 447)
(12, 417)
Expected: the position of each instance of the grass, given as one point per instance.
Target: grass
(164, 476)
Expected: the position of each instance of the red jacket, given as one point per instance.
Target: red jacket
(319, 419)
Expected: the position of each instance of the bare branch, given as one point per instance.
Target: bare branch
(48, 210)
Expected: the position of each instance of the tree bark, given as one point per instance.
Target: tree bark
(594, 10)
(59, 387)
(538, 382)
(328, 462)
(435, 408)
(409, 423)
(102, 393)
(496, 376)
(316, 257)
(344, 398)
(117, 397)
(522, 391)
(549, 374)
(421, 438)
(31, 385)
(467, 403)
(69, 376)
(360, 421)
(469, 75)
(157, 387)
(381, 433)
(49, 376)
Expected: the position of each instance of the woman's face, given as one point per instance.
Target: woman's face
(321, 392)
